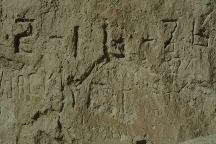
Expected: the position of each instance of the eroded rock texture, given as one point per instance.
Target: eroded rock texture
(107, 71)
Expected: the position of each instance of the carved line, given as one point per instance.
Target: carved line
(105, 39)
(1, 78)
(167, 20)
(193, 31)
(24, 20)
(75, 40)
(55, 36)
(167, 42)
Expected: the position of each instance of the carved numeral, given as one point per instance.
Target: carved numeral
(18, 36)
(26, 33)
(75, 40)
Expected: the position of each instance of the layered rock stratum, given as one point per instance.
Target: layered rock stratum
(107, 71)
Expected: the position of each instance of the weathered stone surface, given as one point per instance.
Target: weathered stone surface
(107, 71)
(202, 140)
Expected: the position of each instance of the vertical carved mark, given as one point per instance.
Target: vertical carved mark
(18, 134)
(1, 10)
(83, 120)
(1, 81)
(60, 136)
(105, 39)
(17, 38)
(21, 87)
(72, 97)
(75, 40)
(1, 78)
(88, 100)
(16, 43)
(9, 90)
(62, 93)
(193, 31)
(6, 37)
(74, 100)
(123, 103)
(27, 88)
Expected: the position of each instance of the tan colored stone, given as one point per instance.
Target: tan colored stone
(107, 71)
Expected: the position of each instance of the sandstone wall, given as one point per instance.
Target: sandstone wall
(107, 71)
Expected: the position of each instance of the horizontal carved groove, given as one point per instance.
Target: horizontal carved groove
(55, 36)
(24, 20)
(169, 20)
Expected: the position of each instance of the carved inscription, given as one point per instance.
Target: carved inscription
(21, 87)
(26, 33)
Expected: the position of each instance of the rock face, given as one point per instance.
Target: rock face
(107, 71)
(203, 140)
